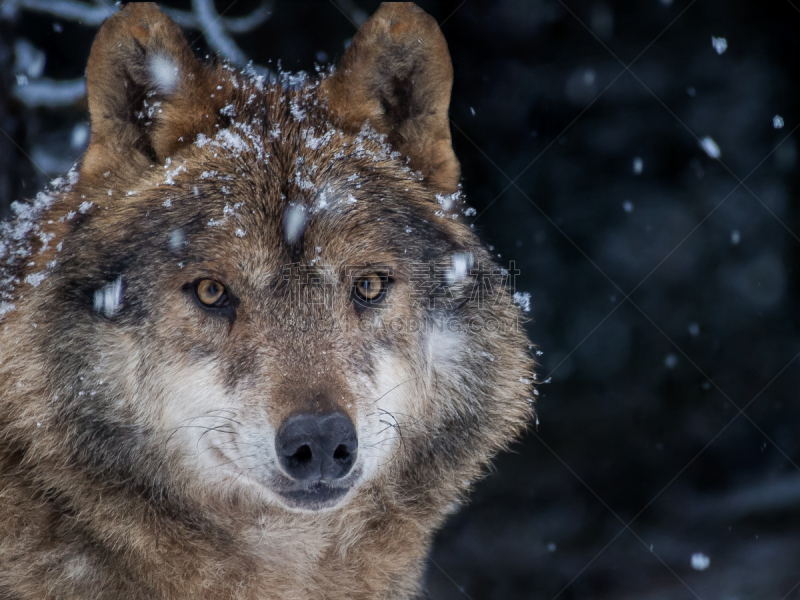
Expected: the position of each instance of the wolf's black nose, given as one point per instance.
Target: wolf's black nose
(314, 447)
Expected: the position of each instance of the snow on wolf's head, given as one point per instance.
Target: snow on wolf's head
(265, 292)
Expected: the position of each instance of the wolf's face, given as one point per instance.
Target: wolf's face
(268, 286)
(266, 293)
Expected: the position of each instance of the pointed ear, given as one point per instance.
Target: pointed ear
(397, 74)
(147, 91)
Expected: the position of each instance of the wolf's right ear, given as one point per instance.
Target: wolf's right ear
(397, 74)
(147, 91)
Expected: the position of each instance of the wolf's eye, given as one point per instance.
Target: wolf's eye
(211, 293)
(370, 289)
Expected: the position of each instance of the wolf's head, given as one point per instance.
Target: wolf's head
(266, 292)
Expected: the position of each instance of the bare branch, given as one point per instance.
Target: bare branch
(37, 92)
(85, 14)
(215, 33)
(51, 92)
(93, 15)
(234, 25)
(51, 161)
(248, 23)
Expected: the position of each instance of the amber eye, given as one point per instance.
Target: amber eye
(211, 293)
(370, 288)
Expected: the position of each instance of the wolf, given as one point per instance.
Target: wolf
(250, 347)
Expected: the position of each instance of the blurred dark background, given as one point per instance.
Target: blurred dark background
(651, 212)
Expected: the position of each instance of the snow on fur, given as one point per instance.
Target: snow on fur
(17, 234)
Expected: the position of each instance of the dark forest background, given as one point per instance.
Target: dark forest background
(663, 278)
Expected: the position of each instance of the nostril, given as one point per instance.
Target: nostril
(341, 452)
(302, 455)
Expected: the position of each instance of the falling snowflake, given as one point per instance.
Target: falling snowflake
(164, 73)
(700, 562)
(108, 299)
(294, 222)
(710, 147)
(462, 262)
(720, 44)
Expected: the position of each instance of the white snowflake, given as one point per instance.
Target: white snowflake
(164, 72)
(523, 301)
(294, 222)
(462, 263)
(108, 299)
(700, 562)
(710, 147)
(35, 279)
(720, 44)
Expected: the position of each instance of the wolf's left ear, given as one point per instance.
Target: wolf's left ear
(148, 94)
(397, 74)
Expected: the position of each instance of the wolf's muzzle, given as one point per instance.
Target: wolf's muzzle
(317, 448)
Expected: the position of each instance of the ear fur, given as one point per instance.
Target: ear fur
(397, 74)
(146, 89)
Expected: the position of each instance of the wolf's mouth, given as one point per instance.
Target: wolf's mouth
(317, 496)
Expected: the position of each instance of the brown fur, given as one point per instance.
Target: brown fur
(113, 422)
(397, 74)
